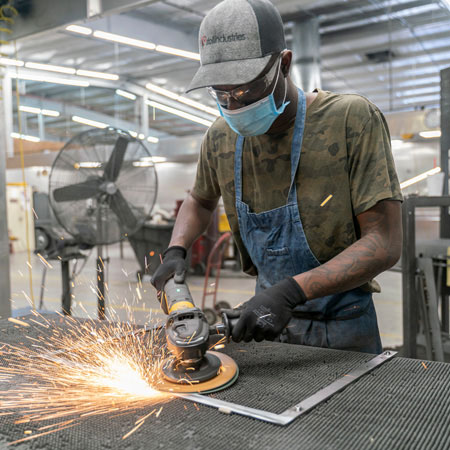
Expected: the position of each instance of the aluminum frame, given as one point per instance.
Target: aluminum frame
(292, 413)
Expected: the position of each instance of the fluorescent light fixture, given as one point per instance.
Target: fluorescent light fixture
(179, 113)
(92, 123)
(93, 74)
(155, 159)
(88, 165)
(45, 112)
(420, 177)
(430, 134)
(159, 90)
(152, 139)
(25, 137)
(125, 94)
(177, 52)
(11, 62)
(30, 109)
(187, 101)
(50, 67)
(124, 40)
(193, 103)
(50, 112)
(79, 29)
(45, 79)
(143, 164)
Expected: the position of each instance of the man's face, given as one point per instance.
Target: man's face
(270, 79)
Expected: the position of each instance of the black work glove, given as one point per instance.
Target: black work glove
(173, 265)
(266, 314)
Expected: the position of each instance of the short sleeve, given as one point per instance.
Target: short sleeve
(371, 165)
(206, 185)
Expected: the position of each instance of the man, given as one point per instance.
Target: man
(308, 184)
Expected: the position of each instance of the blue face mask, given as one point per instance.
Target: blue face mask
(257, 118)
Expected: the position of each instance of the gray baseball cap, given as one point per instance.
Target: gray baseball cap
(236, 40)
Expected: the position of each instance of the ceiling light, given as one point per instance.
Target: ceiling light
(45, 79)
(155, 159)
(88, 165)
(25, 137)
(93, 74)
(11, 62)
(141, 136)
(179, 113)
(50, 67)
(133, 133)
(124, 40)
(159, 90)
(178, 52)
(187, 101)
(430, 134)
(50, 112)
(78, 29)
(45, 112)
(193, 103)
(125, 94)
(152, 139)
(92, 123)
(30, 109)
(420, 177)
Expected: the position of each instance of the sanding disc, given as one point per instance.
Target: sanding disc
(226, 376)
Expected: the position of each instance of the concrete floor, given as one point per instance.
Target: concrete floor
(129, 300)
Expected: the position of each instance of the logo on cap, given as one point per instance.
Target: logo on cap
(222, 39)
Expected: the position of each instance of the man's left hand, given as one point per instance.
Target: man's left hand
(266, 314)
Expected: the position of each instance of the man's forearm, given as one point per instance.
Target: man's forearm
(192, 221)
(378, 249)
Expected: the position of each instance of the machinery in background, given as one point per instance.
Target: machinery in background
(102, 187)
(426, 287)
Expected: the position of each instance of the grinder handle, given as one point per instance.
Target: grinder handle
(176, 296)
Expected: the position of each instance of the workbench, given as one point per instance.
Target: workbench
(402, 404)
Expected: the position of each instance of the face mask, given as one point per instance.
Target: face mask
(257, 118)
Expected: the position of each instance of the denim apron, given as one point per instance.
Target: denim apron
(277, 245)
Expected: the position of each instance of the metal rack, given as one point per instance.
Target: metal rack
(425, 286)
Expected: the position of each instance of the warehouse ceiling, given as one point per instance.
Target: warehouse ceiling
(389, 51)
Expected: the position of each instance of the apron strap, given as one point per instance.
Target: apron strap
(238, 167)
(296, 146)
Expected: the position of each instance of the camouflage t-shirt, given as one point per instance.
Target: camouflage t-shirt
(346, 153)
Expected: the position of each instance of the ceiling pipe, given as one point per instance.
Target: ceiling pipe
(306, 54)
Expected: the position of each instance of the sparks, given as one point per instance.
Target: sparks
(81, 369)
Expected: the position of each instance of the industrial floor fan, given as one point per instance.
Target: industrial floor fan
(102, 187)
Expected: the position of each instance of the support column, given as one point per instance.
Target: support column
(305, 69)
(144, 114)
(5, 287)
(445, 147)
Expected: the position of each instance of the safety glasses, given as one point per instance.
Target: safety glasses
(247, 93)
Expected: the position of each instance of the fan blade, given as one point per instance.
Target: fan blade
(114, 164)
(122, 210)
(79, 191)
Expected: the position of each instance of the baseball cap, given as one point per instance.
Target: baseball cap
(236, 40)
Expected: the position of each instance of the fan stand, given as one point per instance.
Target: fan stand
(101, 265)
(101, 283)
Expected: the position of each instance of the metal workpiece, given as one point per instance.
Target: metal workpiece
(286, 417)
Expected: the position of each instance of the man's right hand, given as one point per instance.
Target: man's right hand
(173, 265)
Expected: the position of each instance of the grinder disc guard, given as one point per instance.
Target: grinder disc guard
(217, 372)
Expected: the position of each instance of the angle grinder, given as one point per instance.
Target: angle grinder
(193, 367)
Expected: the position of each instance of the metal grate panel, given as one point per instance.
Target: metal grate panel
(401, 405)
